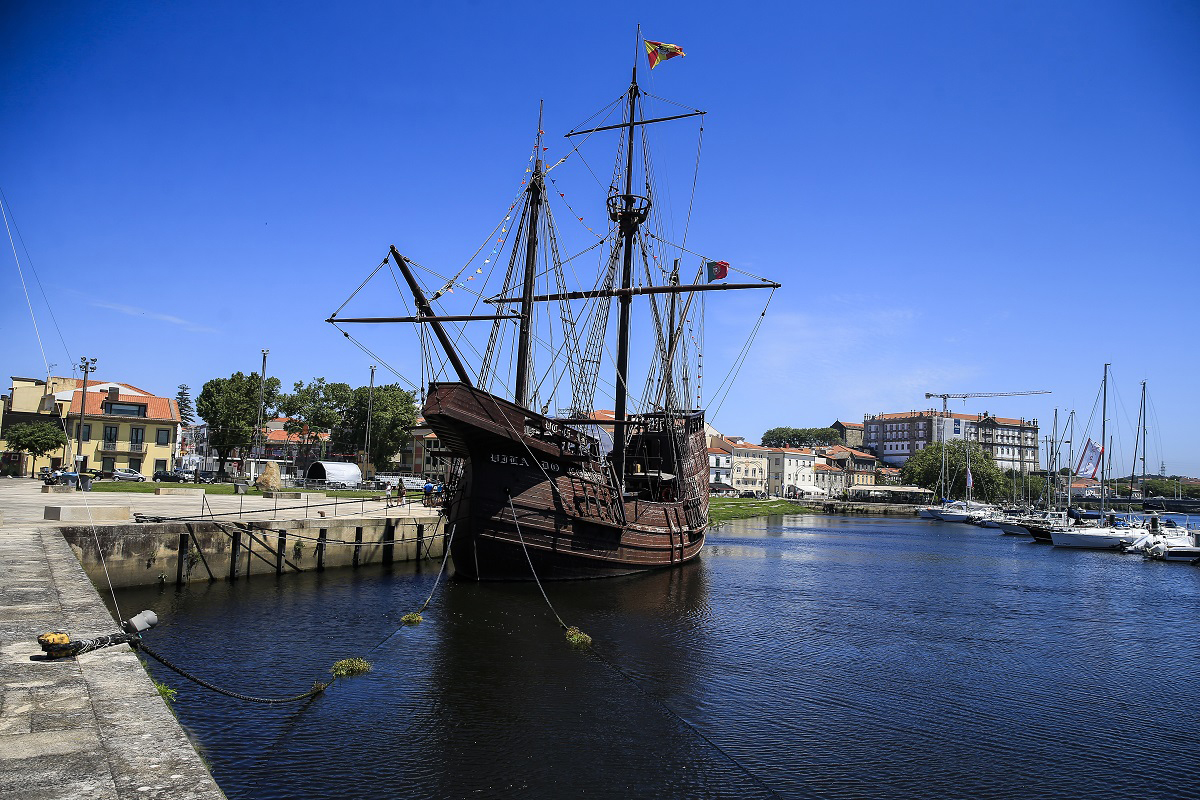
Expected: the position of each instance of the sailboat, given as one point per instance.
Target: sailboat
(578, 492)
(1108, 534)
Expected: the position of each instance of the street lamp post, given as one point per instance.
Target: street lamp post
(87, 365)
(262, 383)
(367, 435)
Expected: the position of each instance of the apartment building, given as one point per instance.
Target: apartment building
(1012, 442)
(830, 480)
(720, 468)
(123, 425)
(858, 466)
(751, 464)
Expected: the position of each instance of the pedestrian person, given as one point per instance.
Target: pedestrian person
(428, 493)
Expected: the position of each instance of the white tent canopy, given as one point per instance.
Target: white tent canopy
(335, 472)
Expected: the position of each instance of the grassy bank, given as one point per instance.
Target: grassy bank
(723, 509)
(148, 487)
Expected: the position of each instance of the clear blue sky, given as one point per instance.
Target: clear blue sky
(958, 196)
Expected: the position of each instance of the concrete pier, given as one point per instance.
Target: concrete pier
(95, 726)
(92, 726)
(92, 512)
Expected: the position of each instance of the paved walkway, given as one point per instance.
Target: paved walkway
(93, 726)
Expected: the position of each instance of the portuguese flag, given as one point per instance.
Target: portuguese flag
(718, 270)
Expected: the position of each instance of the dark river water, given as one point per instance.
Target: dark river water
(802, 656)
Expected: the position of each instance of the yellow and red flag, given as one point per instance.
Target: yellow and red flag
(661, 51)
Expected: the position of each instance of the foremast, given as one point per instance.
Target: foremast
(537, 193)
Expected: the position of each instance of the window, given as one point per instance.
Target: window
(160, 465)
(135, 464)
(125, 409)
(108, 464)
(163, 436)
(87, 431)
(110, 433)
(137, 435)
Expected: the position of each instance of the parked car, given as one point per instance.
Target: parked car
(747, 493)
(127, 474)
(170, 476)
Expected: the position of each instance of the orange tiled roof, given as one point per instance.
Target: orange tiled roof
(839, 448)
(952, 415)
(826, 468)
(283, 436)
(157, 408)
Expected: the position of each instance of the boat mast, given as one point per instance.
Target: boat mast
(1103, 435)
(1070, 461)
(536, 192)
(629, 221)
(1053, 459)
(1137, 432)
(1144, 434)
(942, 475)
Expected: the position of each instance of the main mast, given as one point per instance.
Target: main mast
(629, 211)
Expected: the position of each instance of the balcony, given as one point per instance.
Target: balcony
(113, 446)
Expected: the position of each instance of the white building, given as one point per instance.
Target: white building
(800, 476)
(750, 467)
(720, 467)
(830, 479)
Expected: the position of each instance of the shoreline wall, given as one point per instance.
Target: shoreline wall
(146, 554)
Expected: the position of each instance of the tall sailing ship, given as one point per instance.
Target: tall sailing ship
(575, 493)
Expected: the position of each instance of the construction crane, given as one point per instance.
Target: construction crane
(965, 395)
(946, 411)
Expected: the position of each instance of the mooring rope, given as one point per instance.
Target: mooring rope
(445, 558)
(587, 642)
(533, 571)
(318, 687)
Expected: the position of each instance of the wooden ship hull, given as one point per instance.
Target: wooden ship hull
(536, 495)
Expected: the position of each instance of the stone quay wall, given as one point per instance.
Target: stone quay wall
(144, 554)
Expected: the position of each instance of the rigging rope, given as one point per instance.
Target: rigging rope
(33, 269)
(740, 360)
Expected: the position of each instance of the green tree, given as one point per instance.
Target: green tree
(1017, 485)
(800, 437)
(393, 416)
(187, 414)
(229, 406)
(35, 438)
(313, 409)
(924, 469)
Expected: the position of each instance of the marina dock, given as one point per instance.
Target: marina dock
(94, 725)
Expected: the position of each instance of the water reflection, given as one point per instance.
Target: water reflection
(835, 656)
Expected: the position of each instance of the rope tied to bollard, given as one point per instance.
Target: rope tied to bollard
(58, 644)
